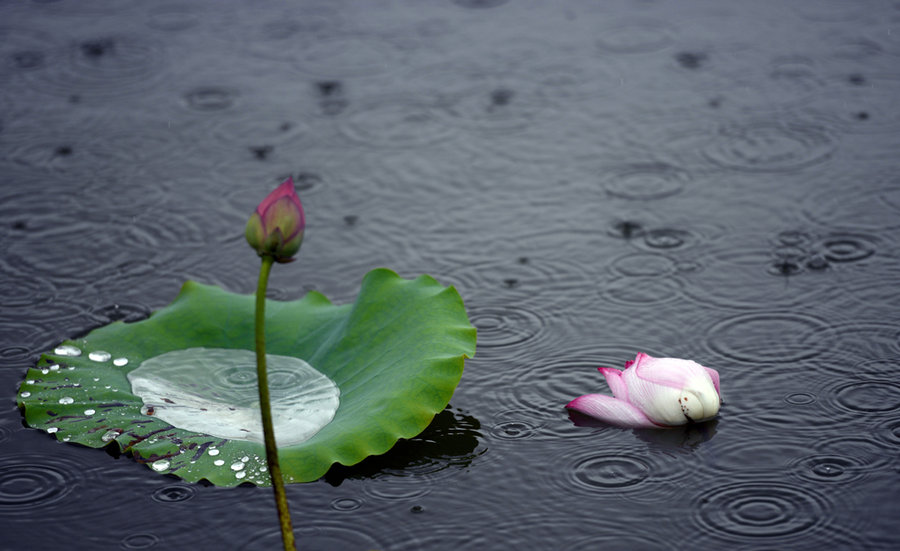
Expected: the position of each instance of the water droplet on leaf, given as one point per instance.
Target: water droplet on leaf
(67, 350)
(99, 356)
(111, 435)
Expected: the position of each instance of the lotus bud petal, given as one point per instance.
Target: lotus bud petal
(276, 226)
(661, 392)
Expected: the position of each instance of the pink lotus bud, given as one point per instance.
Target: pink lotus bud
(276, 227)
(653, 393)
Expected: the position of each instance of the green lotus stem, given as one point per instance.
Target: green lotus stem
(265, 406)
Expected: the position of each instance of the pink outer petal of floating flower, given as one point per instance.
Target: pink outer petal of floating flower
(714, 375)
(612, 410)
(665, 392)
(615, 382)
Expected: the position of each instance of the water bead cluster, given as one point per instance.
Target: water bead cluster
(71, 351)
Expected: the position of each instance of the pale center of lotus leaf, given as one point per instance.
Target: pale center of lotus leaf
(213, 391)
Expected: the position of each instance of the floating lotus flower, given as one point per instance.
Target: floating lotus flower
(654, 393)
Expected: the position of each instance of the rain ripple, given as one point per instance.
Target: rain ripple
(872, 208)
(507, 326)
(870, 397)
(764, 279)
(280, 37)
(421, 177)
(635, 36)
(6, 431)
(94, 154)
(479, 98)
(64, 258)
(24, 292)
(669, 238)
(158, 530)
(771, 146)
(174, 493)
(866, 339)
(889, 433)
(178, 227)
(321, 533)
(626, 472)
(645, 181)
(883, 368)
(555, 283)
(174, 17)
(827, 468)
(210, 98)
(102, 66)
(563, 82)
(31, 482)
(643, 264)
(514, 429)
(346, 503)
(24, 49)
(765, 512)
(396, 122)
(757, 453)
(505, 529)
(259, 135)
(865, 447)
(761, 337)
(347, 56)
(397, 489)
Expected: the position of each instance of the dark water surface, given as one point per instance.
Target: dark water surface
(701, 179)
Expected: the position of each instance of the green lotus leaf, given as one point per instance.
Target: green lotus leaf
(177, 390)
